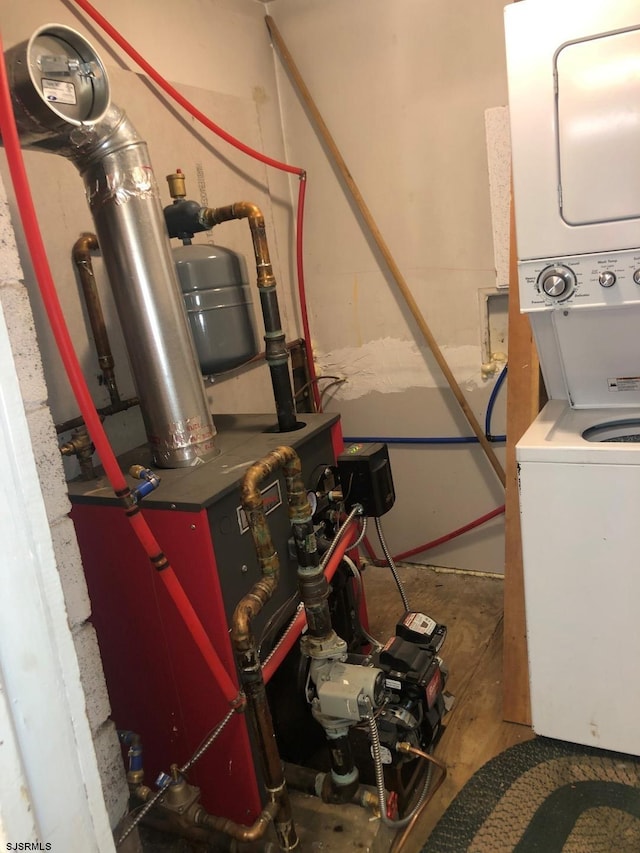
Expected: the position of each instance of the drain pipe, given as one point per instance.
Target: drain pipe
(184, 219)
(98, 138)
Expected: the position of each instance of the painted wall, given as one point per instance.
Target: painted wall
(403, 88)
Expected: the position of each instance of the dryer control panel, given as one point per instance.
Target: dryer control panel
(594, 281)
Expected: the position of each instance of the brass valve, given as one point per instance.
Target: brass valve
(177, 187)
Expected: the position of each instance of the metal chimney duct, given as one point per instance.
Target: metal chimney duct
(61, 99)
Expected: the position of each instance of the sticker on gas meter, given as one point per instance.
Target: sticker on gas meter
(624, 383)
(59, 91)
(271, 500)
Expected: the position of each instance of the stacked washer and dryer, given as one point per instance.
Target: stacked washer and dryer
(574, 94)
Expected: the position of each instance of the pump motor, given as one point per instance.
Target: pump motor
(414, 706)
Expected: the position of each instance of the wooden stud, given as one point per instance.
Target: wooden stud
(523, 404)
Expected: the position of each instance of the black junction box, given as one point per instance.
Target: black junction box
(365, 478)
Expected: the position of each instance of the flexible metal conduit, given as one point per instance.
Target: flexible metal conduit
(377, 561)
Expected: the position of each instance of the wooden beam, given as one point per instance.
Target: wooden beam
(523, 404)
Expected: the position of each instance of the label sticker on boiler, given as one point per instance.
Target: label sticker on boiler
(624, 383)
(271, 500)
(58, 91)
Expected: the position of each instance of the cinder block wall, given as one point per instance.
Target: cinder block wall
(17, 311)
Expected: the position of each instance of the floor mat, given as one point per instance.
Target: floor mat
(545, 796)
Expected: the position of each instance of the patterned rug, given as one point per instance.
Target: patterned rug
(545, 796)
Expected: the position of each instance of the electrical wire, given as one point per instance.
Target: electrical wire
(336, 380)
(337, 539)
(187, 105)
(392, 565)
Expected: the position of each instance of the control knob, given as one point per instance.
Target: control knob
(557, 282)
(607, 278)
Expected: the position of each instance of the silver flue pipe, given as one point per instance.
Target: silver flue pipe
(55, 88)
(125, 204)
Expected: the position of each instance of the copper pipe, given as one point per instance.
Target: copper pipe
(314, 590)
(196, 824)
(235, 830)
(244, 642)
(82, 249)
(247, 210)
(276, 351)
(400, 840)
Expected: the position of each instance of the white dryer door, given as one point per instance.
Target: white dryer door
(598, 128)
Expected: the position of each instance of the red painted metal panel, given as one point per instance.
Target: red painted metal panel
(159, 686)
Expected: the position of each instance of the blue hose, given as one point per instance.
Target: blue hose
(491, 404)
(364, 439)
(458, 439)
